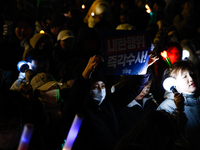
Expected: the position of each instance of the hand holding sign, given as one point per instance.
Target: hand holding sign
(92, 63)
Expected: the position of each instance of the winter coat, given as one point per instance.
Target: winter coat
(192, 111)
(99, 129)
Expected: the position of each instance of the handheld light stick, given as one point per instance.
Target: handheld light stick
(185, 55)
(169, 84)
(73, 132)
(167, 60)
(22, 66)
(26, 137)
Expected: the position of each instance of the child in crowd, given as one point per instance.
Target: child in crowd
(187, 101)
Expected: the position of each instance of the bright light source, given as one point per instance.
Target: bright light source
(148, 8)
(83, 6)
(164, 54)
(169, 84)
(92, 14)
(73, 132)
(167, 60)
(22, 66)
(42, 31)
(185, 54)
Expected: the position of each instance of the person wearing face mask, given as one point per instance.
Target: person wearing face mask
(98, 89)
(100, 128)
(46, 89)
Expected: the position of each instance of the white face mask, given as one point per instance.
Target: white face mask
(10, 140)
(98, 95)
(52, 96)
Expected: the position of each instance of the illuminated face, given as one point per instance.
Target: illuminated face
(185, 82)
(174, 54)
(144, 92)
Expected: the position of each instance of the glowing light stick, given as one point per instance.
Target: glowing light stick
(169, 84)
(26, 137)
(22, 66)
(83, 6)
(167, 60)
(73, 132)
(42, 32)
(185, 54)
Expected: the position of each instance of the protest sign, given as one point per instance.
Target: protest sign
(125, 52)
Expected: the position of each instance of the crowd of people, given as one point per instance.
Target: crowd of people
(50, 71)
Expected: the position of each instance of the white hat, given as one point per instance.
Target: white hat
(125, 26)
(43, 81)
(101, 9)
(37, 37)
(64, 34)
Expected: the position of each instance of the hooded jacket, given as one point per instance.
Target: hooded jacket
(99, 129)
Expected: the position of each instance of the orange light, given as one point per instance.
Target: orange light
(148, 8)
(164, 54)
(83, 6)
(167, 60)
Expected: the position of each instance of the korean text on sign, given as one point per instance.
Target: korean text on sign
(125, 44)
(127, 59)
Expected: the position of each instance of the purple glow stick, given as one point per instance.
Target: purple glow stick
(73, 132)
(26, 136)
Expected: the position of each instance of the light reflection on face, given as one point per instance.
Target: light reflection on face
(185, 82)
(173, 54)
(144, 92)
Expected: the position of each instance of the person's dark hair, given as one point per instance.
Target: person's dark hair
(156, 130)
(127, 81)
(182, 66)
(36, 54)
(98, 76)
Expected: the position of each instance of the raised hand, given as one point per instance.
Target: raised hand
(152, 58)
(92, 63)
